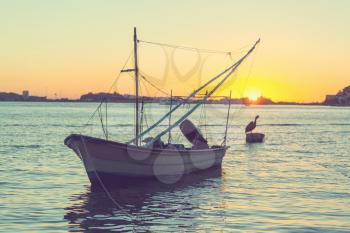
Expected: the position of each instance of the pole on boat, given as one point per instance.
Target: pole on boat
(141, 117)
(227, 119)
(170, 108)
(136, 70)
(106, 119)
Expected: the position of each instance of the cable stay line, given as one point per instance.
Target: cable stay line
(154, 86)
(109, 90)
(186, 47)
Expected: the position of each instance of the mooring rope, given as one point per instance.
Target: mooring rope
(104, 187)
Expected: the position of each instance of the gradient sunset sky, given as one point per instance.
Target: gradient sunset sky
(71, 47)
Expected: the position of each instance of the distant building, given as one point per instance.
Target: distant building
(342, 98)
(17, 97)
(25, 94)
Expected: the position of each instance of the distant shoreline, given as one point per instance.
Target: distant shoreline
(119, 98)
(126, 102)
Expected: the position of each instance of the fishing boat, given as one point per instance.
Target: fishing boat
(108, 161)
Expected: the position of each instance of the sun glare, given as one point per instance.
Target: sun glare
(253, 97)
(253, 94)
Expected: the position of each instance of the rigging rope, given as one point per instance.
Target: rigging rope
(102, 124)
(229, 70)
(202, 50)
(248, 77)
(117, 78)
(227, 119)
(109, 90)
(120, 207)
(186, 47)
(154, 86)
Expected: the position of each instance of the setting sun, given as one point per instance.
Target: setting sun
(253, 97)
(253, 94)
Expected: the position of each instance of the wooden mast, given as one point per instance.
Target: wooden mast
(136, 69)
(170, 108)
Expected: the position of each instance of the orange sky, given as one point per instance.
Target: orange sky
(67, 48)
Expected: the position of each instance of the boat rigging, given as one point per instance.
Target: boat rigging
(110, 161)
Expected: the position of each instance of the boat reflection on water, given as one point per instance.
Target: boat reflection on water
(145, 206)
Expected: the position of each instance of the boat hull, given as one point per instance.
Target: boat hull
(113, 162)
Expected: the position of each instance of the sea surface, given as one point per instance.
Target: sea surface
(298, 180)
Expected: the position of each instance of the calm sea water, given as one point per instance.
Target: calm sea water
(298, 180)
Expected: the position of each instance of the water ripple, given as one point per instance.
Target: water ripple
(297, 181)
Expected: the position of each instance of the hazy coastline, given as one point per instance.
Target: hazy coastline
(119, 98)
(342, 98)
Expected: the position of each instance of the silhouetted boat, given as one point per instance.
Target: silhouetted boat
(110, 161)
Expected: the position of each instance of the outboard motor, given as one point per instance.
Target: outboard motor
(193, 135)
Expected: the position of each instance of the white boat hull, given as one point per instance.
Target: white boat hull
(109, 161)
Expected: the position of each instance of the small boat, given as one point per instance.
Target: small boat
(109, 161)
(255, 137)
